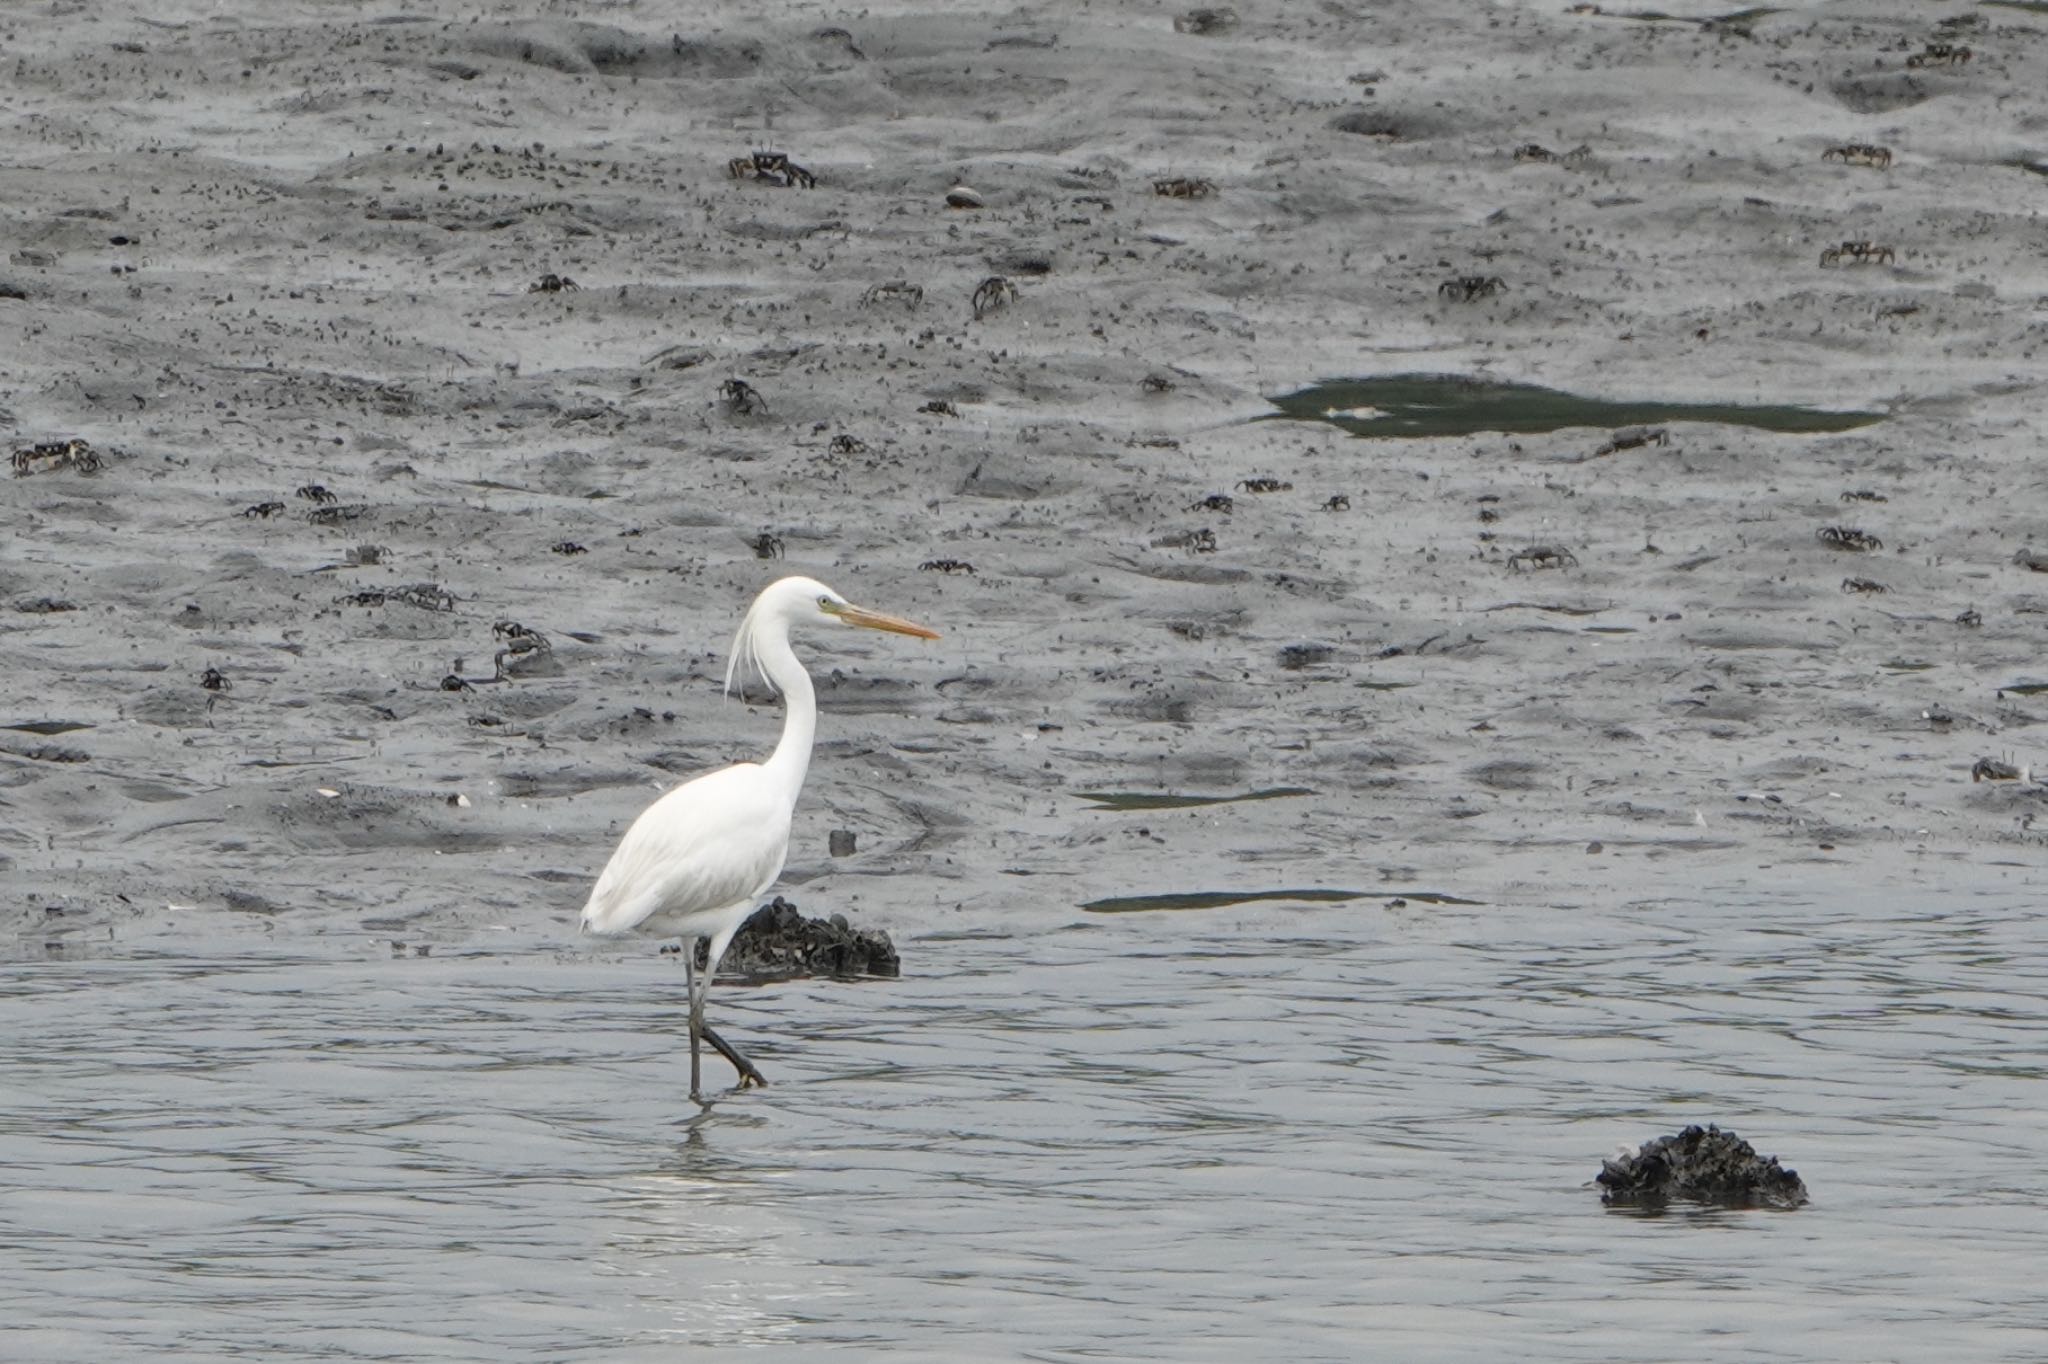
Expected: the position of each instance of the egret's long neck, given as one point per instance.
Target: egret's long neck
(792, 756)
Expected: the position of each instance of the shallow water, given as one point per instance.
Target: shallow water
(1292, 1133)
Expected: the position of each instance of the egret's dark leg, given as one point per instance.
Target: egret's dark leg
(696, 1014)
(748, 1074)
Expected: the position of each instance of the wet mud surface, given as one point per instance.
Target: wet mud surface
(377, 410)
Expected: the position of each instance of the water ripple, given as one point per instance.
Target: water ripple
(1281, 1136)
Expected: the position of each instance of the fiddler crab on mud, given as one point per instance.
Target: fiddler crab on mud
(1860, 154)
(1857, 253)
(1470, 288)
(774, 167)
(742, 398)
(1543, 556)
(992, 293)
(1848, 538)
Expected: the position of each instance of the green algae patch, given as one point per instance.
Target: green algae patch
(1223, 899)
(1398, 406)
(1161, 800)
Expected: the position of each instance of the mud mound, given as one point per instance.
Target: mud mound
(1881, 93)
(1699, 1165)
(780, 942)
(600, 49)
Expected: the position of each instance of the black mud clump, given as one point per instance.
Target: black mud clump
(778, 942)
(1699, 1165)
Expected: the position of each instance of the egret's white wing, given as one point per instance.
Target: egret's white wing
(708, 845)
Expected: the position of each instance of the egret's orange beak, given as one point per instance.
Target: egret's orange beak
(875, 620)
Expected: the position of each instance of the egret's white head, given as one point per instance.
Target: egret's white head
(794, 601)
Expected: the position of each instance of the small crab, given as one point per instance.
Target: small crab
(1337, 502)
(1156, 383)
(1201, 540)
(766, 546)
(1215, 502)
(1991, 769)
(1940, 54)
(1848, 538)
(552, 284)
(1183, 187)
(1857, 253)
(1634, 437)
(894, 291)
(455, 681)
(742, 398)
(1970, 618)
(425, 596)
(945, 566)
(1469, 288)
(843, 444)
(213, 679)
(1860, 154)
(992, 293)
(1863, 495)
(567, 547)
(774, 167)
(1864, 586)
(1264, 485)
(532, 644)
(364, 556)
(262, 510)
(316, 493)
(2033, 560)
(939, 407)
(513, 630)
(1537, 152)
(26, 458)
(1543, 556)
(768, 165)
(367, 597)
(73, 454)
(335, 515)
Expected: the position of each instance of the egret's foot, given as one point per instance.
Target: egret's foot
(750, 1076)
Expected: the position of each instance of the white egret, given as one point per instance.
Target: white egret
(698, 860)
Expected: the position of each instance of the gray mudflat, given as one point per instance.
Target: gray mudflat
(260, 251)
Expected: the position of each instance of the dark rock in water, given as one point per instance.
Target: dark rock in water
(1701, 1165)
(780, 941)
